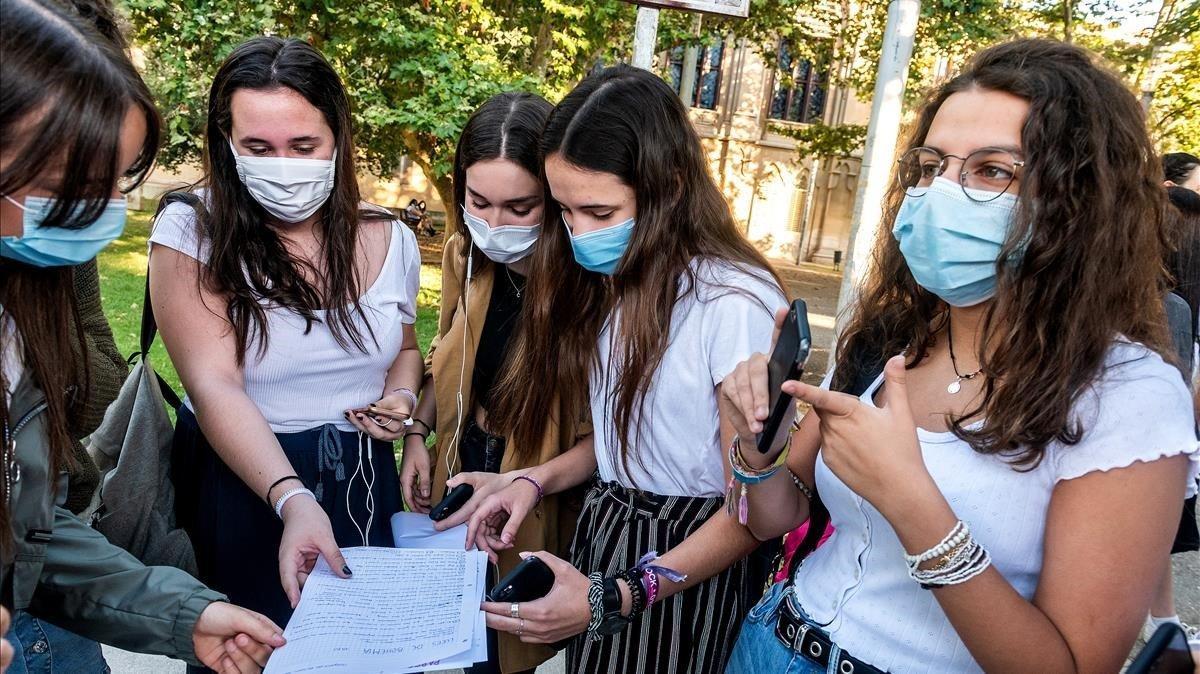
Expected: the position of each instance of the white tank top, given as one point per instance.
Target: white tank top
(306, 380)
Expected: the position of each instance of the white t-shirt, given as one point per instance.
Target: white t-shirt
(305, 380)
(726, 318)
(857, 583)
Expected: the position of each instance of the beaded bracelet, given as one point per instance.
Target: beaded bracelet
(957, 536)
(537, 485)
(745, 475)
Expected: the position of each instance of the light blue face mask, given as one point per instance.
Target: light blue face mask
(58, 246)
(951, 243)
(601, 250)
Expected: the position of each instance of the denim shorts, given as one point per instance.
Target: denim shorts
(759, 650)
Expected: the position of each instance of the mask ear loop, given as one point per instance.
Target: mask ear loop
(14, 202)
(452, 451)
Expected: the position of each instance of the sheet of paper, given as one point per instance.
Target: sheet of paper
(402, 608)
(415, 531)
(478, 651)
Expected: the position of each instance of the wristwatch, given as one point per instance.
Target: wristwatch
(612, 621)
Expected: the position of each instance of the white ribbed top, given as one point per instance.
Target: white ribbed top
(857, 583)
(305, 380)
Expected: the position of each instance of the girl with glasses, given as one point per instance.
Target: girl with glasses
(1001, 446)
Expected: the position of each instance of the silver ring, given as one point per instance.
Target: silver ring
(521, 628)
(384, 424)
(514, 610)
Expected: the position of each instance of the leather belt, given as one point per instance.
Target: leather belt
(806, 639)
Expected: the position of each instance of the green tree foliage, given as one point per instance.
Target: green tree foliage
(415, 70)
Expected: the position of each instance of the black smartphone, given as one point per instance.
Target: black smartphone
(1166, 652)
(787, 362)
(456, 499)
(531, 579)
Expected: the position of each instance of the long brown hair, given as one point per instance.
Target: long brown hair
(507, 126)
(1090, 222)
(626, 122)
(248, 263)
(67, 85)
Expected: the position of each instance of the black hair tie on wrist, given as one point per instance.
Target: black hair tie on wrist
(278, 482)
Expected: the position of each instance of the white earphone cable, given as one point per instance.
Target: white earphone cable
(452, 450)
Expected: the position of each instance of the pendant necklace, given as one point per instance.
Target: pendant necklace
(512, 282)
(956, 385)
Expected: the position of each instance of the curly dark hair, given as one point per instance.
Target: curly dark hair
(1090, 222)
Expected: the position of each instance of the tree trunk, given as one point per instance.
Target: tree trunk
(1068, 18)
(421, 153)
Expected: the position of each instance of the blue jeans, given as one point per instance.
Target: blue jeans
(759, 650)
(42, 648)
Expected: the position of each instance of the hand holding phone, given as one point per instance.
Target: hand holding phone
(531, 579)
(454, 500)
(787, 362)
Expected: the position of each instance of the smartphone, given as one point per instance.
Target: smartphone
(531, 579)
(1166, 652)
(449, 505)
(787, 362)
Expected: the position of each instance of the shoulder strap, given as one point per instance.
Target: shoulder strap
(149, 327)
(818, 514)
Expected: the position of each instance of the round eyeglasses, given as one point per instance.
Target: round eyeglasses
(986, 173)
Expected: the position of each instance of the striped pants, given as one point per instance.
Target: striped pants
(692, 631)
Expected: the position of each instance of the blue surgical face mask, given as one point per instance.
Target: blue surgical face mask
(601, 250)
(58, 246)
(951, 243)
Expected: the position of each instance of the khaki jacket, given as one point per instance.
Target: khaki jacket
(553, 523)
(65, 572)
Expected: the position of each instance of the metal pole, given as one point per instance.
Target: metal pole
(883, 131)
(687, 72)
(645, 37)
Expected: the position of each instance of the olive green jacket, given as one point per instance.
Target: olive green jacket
(69, 574)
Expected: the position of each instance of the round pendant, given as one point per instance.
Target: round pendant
(954, 387)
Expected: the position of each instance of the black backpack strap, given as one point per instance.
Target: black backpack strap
(818, 514)
(149, 326)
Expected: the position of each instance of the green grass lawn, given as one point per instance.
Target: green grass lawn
(123, 287)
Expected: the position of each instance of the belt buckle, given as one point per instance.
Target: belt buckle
(790, 628)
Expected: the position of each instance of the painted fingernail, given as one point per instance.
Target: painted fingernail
(346, 570)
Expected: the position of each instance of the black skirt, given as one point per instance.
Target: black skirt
(691, 631)
(1187, 537)
(236, 534)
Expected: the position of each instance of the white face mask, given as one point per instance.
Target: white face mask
(290, 189)
(501, 244)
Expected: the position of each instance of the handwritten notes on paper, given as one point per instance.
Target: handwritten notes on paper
(401, 609)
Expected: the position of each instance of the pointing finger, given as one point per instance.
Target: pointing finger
(827, 403)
